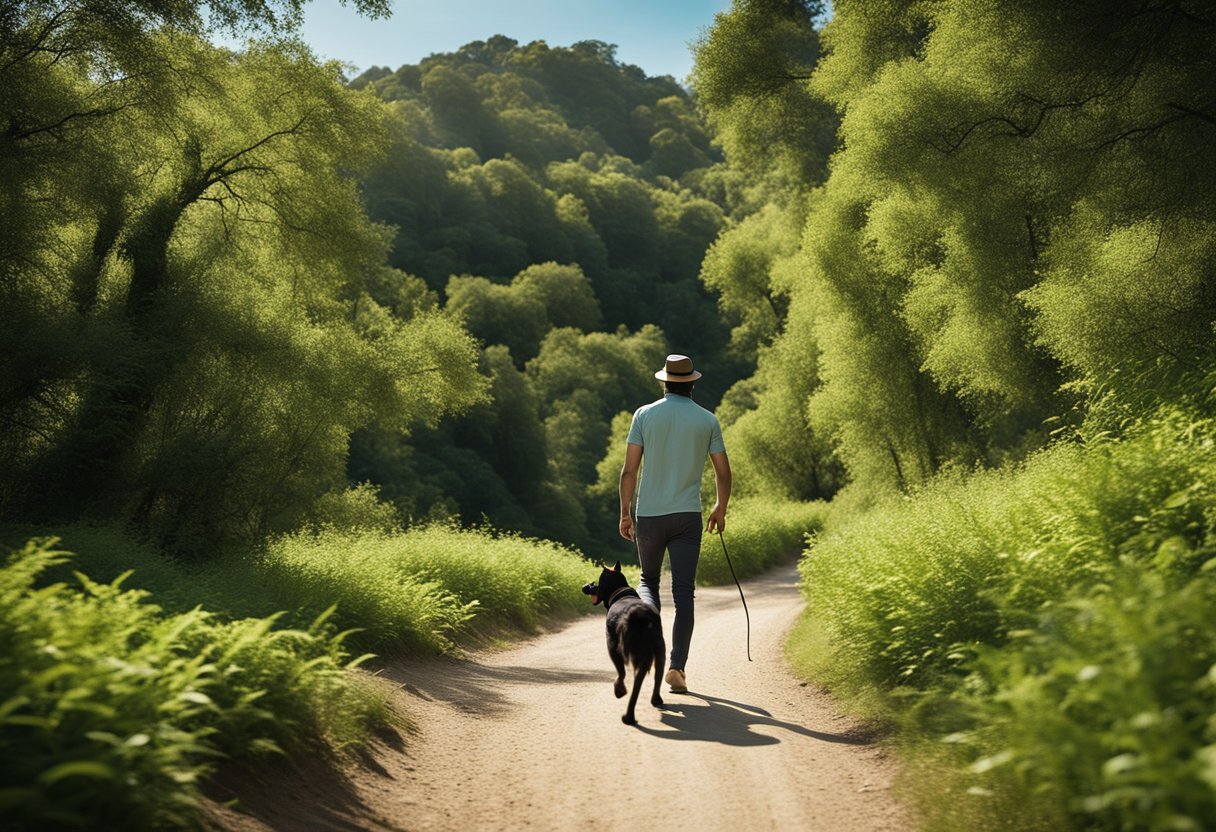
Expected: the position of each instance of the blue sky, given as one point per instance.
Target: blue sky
(654, 35)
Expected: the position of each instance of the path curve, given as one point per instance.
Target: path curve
(531, 737)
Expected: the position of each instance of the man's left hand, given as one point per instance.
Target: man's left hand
(717, 521)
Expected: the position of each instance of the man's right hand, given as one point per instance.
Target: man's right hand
(627, 528)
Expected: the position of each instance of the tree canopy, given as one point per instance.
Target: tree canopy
(1014, 231)
(190, 329)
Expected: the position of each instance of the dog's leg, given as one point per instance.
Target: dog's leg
(639, 676)
(614, 653)
(660, 652)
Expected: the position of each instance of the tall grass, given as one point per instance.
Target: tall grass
(1050, 624)
(420, 588)
(759, 534)
(111, 710)
(401, 592)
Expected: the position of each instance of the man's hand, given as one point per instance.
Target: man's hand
(717, 517)
(629, 482)
(627, 528)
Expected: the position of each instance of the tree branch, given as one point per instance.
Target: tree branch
(1190, 111)
(39, 40)
(15, 134)
(218, 168)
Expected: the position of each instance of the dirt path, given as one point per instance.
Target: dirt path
(531, 738)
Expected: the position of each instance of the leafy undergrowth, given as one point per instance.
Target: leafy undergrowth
(1042, 634)
(111, 710)
(759, 535)
(419, 589)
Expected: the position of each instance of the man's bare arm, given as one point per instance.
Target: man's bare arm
(629, 484)
(717, 517)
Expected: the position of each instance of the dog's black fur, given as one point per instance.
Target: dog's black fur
(635, 635)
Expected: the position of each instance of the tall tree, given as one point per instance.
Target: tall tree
(221, 341)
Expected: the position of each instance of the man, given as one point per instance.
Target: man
(675, 435)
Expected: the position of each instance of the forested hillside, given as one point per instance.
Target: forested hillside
(551, 202)
(560, 203)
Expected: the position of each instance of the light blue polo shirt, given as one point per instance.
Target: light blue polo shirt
(676, 435)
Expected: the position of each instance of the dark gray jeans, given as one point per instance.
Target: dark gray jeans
(680, 535)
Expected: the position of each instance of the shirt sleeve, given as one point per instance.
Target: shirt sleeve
(716, 445)
(635, 430)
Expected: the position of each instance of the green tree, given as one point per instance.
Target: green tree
(583, 380)
(227, 343)
(1017, 214)
(751, 74)
(520, 314)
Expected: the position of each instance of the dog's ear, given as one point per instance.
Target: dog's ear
(617, 568)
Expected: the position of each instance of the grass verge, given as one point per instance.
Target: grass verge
(112, 710)
(759, 534)
(1041, 637)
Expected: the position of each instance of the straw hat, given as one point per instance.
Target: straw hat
(677, 368)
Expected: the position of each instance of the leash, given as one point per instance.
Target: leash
(746, 615)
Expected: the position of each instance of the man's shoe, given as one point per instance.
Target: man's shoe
(675, 678)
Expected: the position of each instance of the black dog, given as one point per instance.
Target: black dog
(635, 634)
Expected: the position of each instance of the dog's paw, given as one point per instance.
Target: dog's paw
(628, 719)
(619, 688)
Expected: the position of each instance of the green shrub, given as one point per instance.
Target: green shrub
(1052, 621)
(1102, 711)
(413, 590)
(759, 534)
(970, 558)
(111, 711)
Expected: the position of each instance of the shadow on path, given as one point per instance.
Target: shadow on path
(478, 688)
(729, 723)
(306, 792)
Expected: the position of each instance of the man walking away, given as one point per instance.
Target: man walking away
(674, 434)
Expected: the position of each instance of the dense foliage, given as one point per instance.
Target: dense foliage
(112, 711)
(1012, 246)
(186, 275)
(1052, 622)
(1014, 225)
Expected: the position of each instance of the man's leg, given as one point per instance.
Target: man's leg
(652, 542)
(684, 545)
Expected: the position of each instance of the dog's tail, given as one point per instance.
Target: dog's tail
(644, 639)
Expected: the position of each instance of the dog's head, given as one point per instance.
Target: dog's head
(610, 581)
